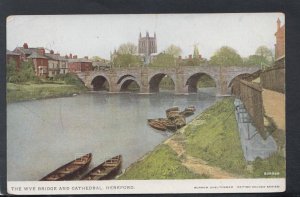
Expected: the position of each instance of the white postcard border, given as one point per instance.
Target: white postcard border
(147, 186)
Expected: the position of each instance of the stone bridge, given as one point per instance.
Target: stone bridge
(148, 78)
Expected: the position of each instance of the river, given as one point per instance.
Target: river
(44, 134)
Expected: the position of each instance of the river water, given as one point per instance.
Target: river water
(42, 135)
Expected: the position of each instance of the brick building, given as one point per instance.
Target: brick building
(40, 62)
(76, 65)
(13, 58)
(280, 44)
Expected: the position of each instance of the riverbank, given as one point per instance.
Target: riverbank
(208, 147)
(33, 91)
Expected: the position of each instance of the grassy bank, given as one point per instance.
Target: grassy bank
(30, 90)
(162, 163)
(212, 137)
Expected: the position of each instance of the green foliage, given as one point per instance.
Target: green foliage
(127, 48)
(217, 139)
(163, 60)
(167, 83)
(69, 78)
(265, 53)
(173, 50)
(96, 59)
(206, 81)
(28, 91)
(226, 56)
(162, 163)
(24, 74)
(275, 163)
(126, 60)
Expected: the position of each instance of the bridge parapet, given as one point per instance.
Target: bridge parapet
(179, 74)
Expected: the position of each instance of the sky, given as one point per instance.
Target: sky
(98, 35)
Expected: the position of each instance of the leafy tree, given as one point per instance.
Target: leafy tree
(226, 56)
(265, 54)
(126, 60)
(25, 73)
(173, 50)
(163, 60)
(10, 70)
(127, 48)
(96, 59)
(262, 57)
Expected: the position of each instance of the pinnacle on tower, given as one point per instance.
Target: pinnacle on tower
(278, 23)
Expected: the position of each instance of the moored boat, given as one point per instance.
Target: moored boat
(186, 113)
(69, 170)
(180, 122)
(191, 108)
(156, 124)
(175, 108)
(106, 170)
(168, 123)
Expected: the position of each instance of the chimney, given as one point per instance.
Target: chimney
(278, 24)
(74, 56)
(179, 57)
(66, 56)
(147, 34)
(70, 56)
(154, 35)
(86, 57)
(190, 57)
(140, 34)
(42, 51)
(25, 45)
(200, 56)
(51, 52)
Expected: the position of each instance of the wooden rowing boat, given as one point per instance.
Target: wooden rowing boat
(172, 109)
(156, 124)
(180, 122)
(69, 170)
(186, 113)
(106, 170)
(170, 125)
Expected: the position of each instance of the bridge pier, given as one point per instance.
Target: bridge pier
(144, 76)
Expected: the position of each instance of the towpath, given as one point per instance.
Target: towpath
(196, 165)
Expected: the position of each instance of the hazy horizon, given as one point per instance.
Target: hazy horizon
(98, 35)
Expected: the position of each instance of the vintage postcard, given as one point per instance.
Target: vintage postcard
(146, 103)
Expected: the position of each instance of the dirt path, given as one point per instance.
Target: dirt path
(196, 165)
(274, 105)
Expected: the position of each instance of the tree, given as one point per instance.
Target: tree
(265, 55)
(25, 73)
(126, 60)
(226, 56)
(163, 60)
(127, 48)
(173, 50)
(10, 70)
(96, 59)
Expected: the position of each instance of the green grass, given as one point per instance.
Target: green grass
(214, 137)
(217, 139)
(162, 163)
(29, 91)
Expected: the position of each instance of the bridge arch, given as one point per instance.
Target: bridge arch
(100, 82)
(155, 80)
(192, 81)
(240, 76)
(130, 84)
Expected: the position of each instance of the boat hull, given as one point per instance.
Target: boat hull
(106, 170)
(70, 170)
